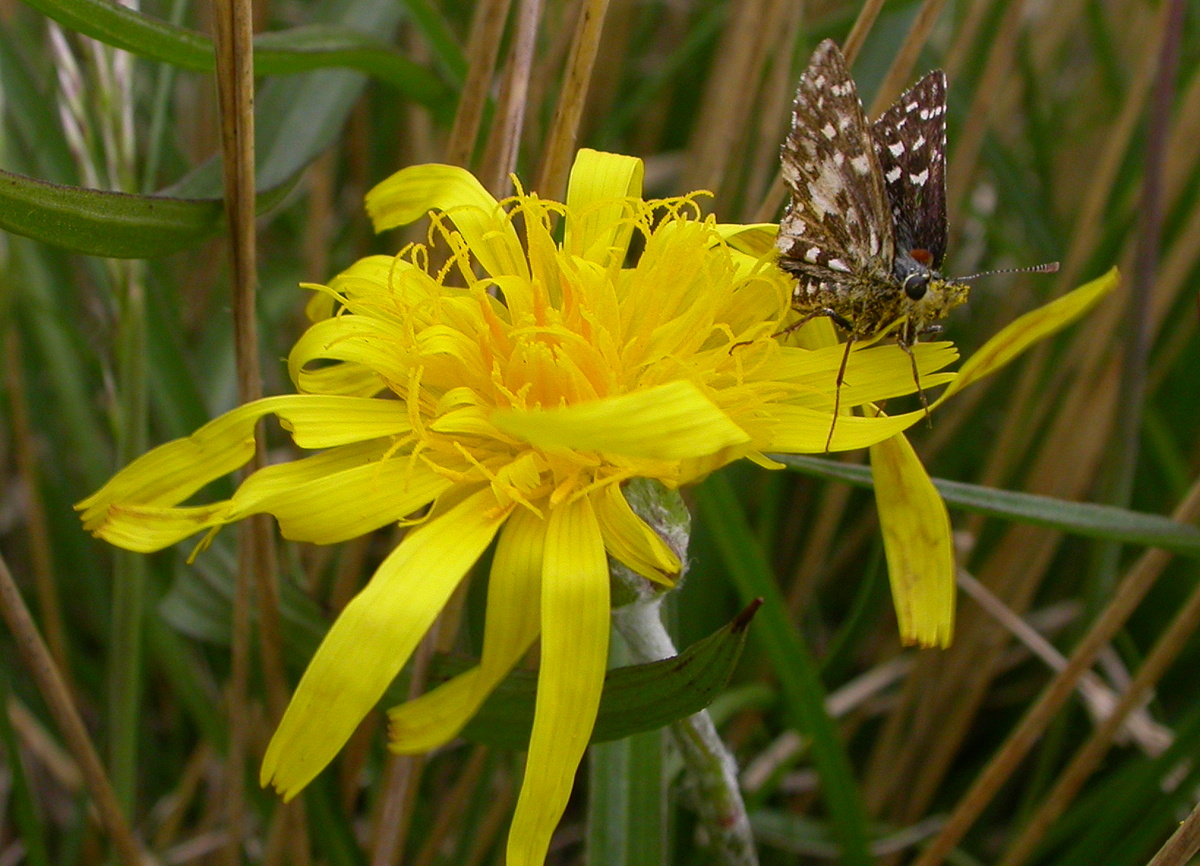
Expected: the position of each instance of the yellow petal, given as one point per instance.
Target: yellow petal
(873, 374)
(916, 540)
(325, 421)
(599, 222)
(1029, 329)
(350, 380)
(753, 239)
(800, 430)
(667, 422)
(373, 637)
(513, 621)
(575, 626)
(628, 538)
(366, 341)
(147, 528)
(412, 192)
(339, 494)
(172, 472)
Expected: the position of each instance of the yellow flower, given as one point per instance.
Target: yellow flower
(507, 397)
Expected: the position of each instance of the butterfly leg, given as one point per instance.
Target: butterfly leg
(837, 392)
(907, 347)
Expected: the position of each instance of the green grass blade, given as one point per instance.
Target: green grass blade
(627, 796)
(1078, 518)
(794, 665)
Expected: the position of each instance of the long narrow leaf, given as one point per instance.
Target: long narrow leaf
(112, 224)
(102, 223)
(300, 49)
(1079, 518)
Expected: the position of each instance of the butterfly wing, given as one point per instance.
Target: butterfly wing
(910, 142)
(838, 224)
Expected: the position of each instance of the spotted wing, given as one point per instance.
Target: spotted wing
(838, 222)
(910, 141)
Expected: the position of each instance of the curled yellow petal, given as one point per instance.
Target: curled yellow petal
(412, 192)
(917, 543)
(372, 639)
(601, 185)
(666, 422)
(170, 473)
(629, 539)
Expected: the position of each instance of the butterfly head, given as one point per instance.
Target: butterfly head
(930, 296)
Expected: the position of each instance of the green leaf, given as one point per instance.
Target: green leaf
(101, 223)
(315, 46)
(111, 224)
(297, 117)
(1079, 518)
(636, 698)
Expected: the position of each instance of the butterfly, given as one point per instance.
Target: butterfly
(865, 231)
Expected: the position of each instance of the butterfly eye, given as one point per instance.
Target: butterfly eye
(915, 286)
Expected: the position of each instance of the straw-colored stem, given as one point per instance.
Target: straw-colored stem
(561, 141)
(1137, 321)
(1128, 595)
(402, 775)
(455, 800)
(906, 58)
(861, 29)
(233, 24)
(487, 28)
(1085, 762)
(53, 688)
(504, 141)
(1103, 170)
(1183, 844)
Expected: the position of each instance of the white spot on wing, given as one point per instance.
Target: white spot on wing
(839, 265)
(861, 164)
(812, 254)
(893, 174)
(897, 148)
(919, 179)
(829, 131)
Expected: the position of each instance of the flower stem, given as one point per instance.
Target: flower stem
(710, 768)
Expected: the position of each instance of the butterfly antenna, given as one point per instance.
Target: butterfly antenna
(1047, 268)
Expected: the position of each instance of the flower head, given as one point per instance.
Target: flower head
(506, 396)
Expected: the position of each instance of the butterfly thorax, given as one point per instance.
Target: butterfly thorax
(867, 303)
